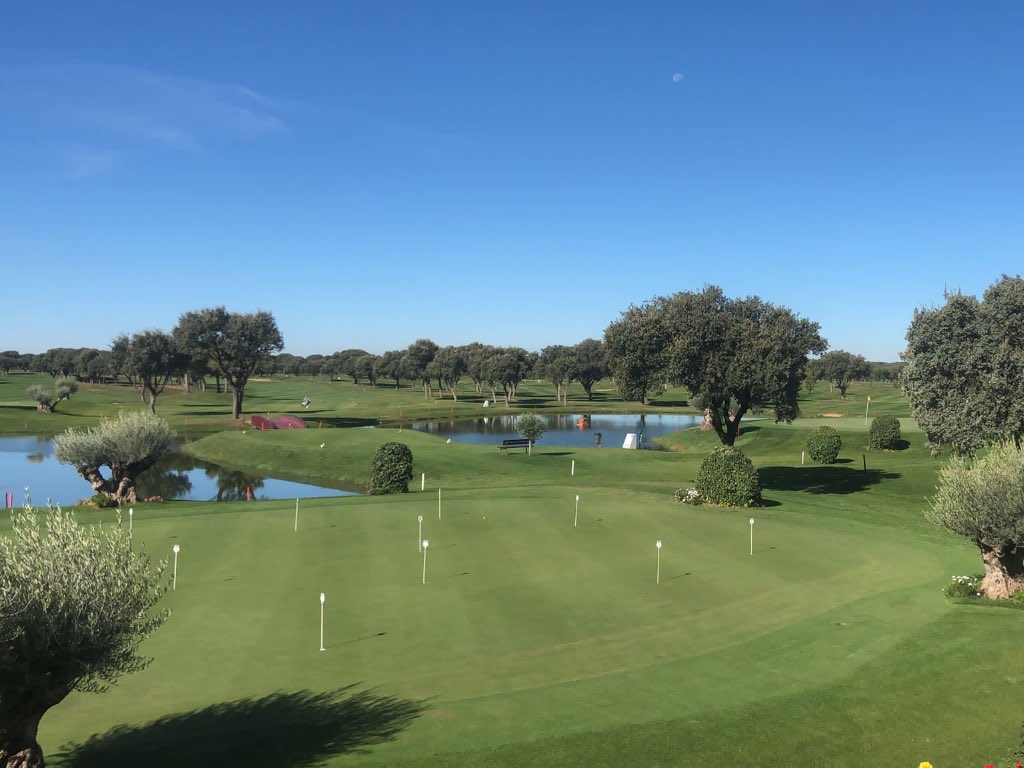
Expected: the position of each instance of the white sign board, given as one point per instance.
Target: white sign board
(630, 441)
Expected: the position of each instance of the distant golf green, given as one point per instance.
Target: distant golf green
(535, 642)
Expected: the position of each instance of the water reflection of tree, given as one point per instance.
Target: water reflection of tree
(35, 458)
(168, 484)
(232, 484)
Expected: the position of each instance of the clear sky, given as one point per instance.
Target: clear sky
(505, 172)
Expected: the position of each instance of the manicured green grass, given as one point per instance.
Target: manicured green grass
(538, 643)
(534, 642)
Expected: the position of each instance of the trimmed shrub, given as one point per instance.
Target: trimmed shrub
(392, 469)
(884, 433)
(727, 476)
(823, 445)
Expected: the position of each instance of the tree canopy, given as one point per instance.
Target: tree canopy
(127, 445)
(840, 367)
(964, 372)
(983, 501)
(75, 602)
(637, 345)
(153, 357)
(236, 343)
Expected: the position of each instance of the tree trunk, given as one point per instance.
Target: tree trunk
(236, 402)
(18, 745)
(1004, 573)
(152, 403)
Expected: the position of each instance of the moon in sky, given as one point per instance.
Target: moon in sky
(677, 77)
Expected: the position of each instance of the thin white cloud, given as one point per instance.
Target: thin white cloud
(119, 112)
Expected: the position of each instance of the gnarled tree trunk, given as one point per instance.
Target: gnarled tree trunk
(1004, 573)
(119, 486)
(18, 745)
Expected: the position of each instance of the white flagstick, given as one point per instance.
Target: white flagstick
(423, 481)
(131, 514)
(658, 545)
(174, 578)
(323, 597)
(419, 536)
(751, 536)
(425, 545)
(438, 503)
(296, 515)
(576, 518)
(866, 406)
(573, 473)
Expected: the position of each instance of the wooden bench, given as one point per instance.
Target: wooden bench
(518, 442)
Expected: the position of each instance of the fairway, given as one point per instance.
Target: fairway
(532, 635)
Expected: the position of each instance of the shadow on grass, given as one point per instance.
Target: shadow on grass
(281, 730)
(827, 479)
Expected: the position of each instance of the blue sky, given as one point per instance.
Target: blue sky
(506, 172)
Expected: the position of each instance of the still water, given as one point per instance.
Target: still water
(564, 430)
(28, 462)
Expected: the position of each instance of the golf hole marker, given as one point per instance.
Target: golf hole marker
(131, 514)
(657, 545)
(419, 535)
(751, 536)
(174, 576)
(576, 517)
(323, 598)
(425, 545)
(296, 516)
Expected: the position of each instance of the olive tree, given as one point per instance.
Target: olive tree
(983, 501)
(127, 445)
(839, 367)
(46, 401)
(75, 603)
(531, 427)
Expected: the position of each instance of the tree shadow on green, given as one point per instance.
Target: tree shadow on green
(281, 730)
(825, 479)
(343, 422)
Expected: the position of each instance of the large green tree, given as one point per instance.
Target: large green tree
(737, 355)
(127, 446)
(153, 356)
(637, 345)
(555, 365)
(588, 364)
(236, 343)
(450, 365)
(839, 368)
(964, 372)
(418, 357)
(983, 501)
(75, 602)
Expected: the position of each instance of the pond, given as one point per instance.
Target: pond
(28, 462)
(576, 430)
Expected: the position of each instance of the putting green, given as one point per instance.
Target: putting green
(528, 627)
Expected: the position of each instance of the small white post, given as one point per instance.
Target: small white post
(425, 545)
(801, 458)
(323, 597)
(296, 516)
(866, 406)
(751, 536)
(174, 577)
(576, 517)
(438, 503)
(419, 536)
(423, 481)
(573, 473)
(658, 545)
(131, 514)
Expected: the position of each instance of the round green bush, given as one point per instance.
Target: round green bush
(823, 445)
(727, 477)
(884, 433)
(392, 469)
